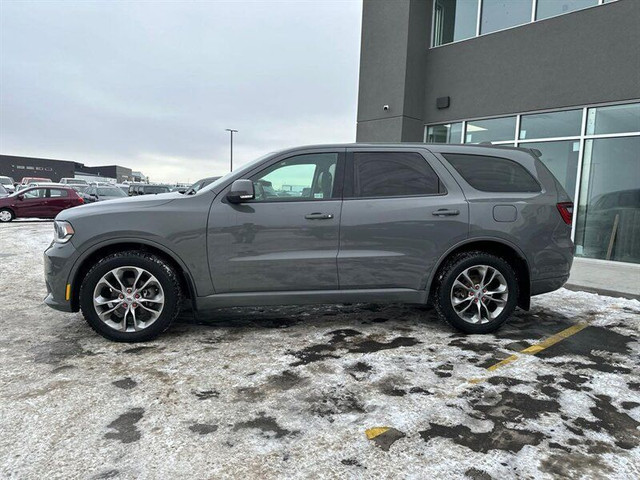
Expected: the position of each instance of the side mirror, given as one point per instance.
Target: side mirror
(21, 197)
(241, 191)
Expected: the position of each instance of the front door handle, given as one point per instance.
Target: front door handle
(443, 212)
(318, 216)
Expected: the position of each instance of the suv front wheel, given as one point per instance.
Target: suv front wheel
(130, 296)
(476, 292)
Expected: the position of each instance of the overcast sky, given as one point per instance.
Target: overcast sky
(153, 85)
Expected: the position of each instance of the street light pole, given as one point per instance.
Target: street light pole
(231, 131)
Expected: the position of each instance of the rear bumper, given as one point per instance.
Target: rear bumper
(546, 285)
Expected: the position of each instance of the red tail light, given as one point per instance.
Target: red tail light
(566, 211)
(81, 201)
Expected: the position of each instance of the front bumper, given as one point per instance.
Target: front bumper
(58, 262)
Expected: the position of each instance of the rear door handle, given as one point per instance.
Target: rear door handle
(318, 216)
(443, 212)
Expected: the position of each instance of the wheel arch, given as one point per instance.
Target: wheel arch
(500, 248)
(84, 264)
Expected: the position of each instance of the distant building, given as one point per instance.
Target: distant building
(19, 167)
(111, 171)
(139, 177)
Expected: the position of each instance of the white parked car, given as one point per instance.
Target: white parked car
(8, 184)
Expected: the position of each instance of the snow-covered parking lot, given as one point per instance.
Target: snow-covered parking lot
(355, 391)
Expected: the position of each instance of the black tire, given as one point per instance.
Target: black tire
(159, 268)
(447, 276)
(11, 217)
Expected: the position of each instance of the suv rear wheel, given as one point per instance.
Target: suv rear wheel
(476, 292)
(130, 296)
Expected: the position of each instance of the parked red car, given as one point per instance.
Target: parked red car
(38, 202)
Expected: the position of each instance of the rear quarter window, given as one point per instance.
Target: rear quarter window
(493, 174)
(53, 192)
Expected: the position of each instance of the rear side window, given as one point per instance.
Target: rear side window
(58, 193)
(393, 174)
(493, 174)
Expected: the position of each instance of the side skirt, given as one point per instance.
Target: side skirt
(308, 297)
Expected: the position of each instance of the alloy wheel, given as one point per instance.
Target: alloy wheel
(479, 294)
(128, 299)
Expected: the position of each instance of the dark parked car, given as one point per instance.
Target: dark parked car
(101, 193)
(476, 230)
(38, 202)
(200, 184)
(146, 189)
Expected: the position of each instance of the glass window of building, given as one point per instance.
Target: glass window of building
(493, 130)
(561, 158)
(454, 20)
(501, 14)
(550, 125)
(614, 119)
(608, 222)
(446, 133)
(551, 8)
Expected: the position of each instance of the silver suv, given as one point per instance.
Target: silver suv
(475, 230)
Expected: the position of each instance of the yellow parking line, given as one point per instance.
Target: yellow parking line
(537, 348)
(372, 433)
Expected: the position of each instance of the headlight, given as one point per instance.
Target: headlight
(63, 231)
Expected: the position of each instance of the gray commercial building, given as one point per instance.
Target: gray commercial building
(18, 167)
(561, 76)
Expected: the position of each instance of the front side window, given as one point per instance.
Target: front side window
(303, 177)
(36, 193)
(393, 174)
(492, 174)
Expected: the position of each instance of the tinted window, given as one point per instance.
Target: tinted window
(303, 177)
(493, 174)
(110, 192)
(393, 174)
(155, 189)
(58, 193)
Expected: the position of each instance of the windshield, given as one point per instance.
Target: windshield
(5, 181)
(110, 192)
